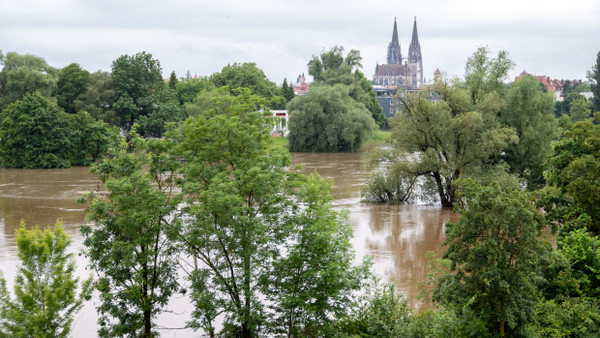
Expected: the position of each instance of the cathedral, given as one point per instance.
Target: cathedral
(400, 71)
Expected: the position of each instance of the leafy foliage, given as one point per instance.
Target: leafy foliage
(571, 198)
(328, 120)
(34, 133)
(72, 82)
(594, 78)
(45, 286)
(24, 74)
(98, 98)
(331, 68)
(137, 80)
(494, 276)
(130, 226)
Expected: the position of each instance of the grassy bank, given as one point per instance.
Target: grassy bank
(378, 138)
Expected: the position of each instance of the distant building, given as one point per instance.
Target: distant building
(301, 86)
(552, 85)
(280, 127)
(398, 71)
(385, 96)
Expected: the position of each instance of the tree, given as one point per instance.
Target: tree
(331, 68)
(247, 75)
(187, 90)
(314, 279)
(127, 244)
(233, 184)
(173, 81)
(580, 110)
(24, 74)
(484, 75)
(246, 214)
(168, 110)
(98, 98)
(594, 78)
(452, 136)
(46, 296)
(529, 111)
(72, 82)
(90, 139)
(495, 255)
(571, 196)
(287, 91)
(327, 119)
(34, 133)
(137, 80)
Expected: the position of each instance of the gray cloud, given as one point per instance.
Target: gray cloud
(544, 37)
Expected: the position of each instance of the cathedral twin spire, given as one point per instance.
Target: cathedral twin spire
(394, 56)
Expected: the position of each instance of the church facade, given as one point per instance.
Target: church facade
(400, 71)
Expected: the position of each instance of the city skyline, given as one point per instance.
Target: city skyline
(550, 38)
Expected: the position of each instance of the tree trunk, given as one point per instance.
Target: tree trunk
(147, 324)
(501, 329)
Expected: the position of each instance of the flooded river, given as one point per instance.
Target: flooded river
(396, 236)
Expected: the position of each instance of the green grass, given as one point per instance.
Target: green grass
(379, 137)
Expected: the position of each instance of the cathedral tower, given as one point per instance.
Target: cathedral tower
(394, 56)
(415, 61)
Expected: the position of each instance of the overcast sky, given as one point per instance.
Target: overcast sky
(556, 38)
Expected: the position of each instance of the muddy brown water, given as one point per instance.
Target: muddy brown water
(397, 236)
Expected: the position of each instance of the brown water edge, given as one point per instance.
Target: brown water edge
(397, 236)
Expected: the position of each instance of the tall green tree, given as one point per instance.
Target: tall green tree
(247, 75)
(22, 74)
(34, 133)
(453, 137)
(580, 110)
(327, 119)
(571, 195)
(72, 82)
(332, 67)
(529, 111)
(189, 88)
(594, 78)
(496, 256)
(245, 215)
(127, 244)
(137, 81)
(484, 75)
(46, 297)
(313, 281)
(168, 110)
(173, 81)
(98, 98)
(287, 91)
(90, 139)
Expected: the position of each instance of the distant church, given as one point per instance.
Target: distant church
(399, 71)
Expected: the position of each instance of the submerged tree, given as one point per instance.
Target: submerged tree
(46, 296)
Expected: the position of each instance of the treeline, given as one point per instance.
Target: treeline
(498, 155)
(61, 117)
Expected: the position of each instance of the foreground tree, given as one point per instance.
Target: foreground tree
(327, 119)
(127, 243)
(46, 296)
(248, 216)
(496, 255)
(313, 281)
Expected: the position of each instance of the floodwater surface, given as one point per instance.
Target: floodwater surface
(397, 236)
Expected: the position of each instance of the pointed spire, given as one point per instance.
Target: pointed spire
(414, 50)
(394, 52)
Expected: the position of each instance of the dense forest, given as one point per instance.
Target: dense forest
(192, 178)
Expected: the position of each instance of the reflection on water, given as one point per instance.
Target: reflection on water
(397, 236)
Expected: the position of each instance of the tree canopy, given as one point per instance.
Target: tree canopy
(327, 119)
(594, 78)
(331, 67)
